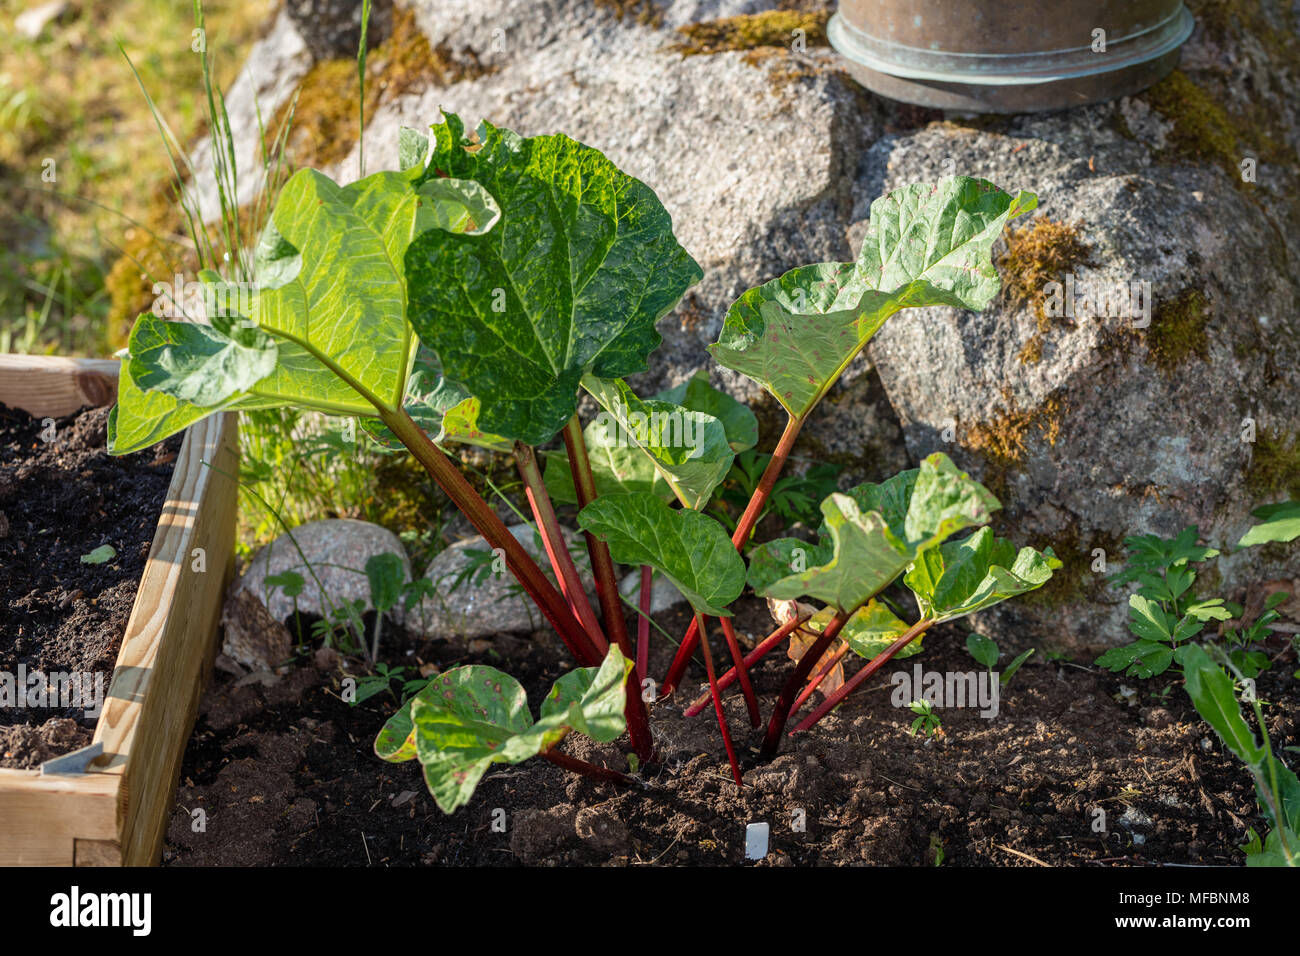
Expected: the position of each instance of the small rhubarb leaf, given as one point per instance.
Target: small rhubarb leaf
(869, 630)
(925, 245)
(1279, 522)
(870, 547)
(689, 548)
(617, 465)
(569, 283)
(697, 395)
(591, 700)
(463, 722)
(688, 448)
(471, 717)
(959, 578)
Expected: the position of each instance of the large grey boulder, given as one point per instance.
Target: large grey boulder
(330, 556)
(1091, 428)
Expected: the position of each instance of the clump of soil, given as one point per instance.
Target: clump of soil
(59, 500)
(1074, 769)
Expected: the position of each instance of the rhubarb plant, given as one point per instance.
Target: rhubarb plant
(474, 295)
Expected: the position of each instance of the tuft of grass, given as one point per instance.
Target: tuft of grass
(68, 97)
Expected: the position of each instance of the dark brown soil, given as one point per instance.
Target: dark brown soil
(60, 500)
(1072, 771)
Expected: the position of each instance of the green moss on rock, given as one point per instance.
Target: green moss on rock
(1178, 331)
(774, 28)
(1274, 467)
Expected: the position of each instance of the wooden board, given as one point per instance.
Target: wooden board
(117, 811)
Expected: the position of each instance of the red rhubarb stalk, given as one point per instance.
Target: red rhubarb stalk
(781, 712)
(643, 624)
(752, 658)
(738, 660)
(821, 676)
(611, 606)
(539, 499)
(485, 521)
(717, 700)
(744, 528)
(874, 665)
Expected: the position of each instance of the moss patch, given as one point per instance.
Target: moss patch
(1043, 251)
(1178, 331)
(645, 12)
(773, 29)
(1002, 440)
(1274, 467)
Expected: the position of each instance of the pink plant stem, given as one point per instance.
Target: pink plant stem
(874, 665)
(752, 658)
(744, 528)
(717, 701)
(738, 660)
(643, 624)
(781, 712)
(821, 676)
(611, 603)
(566, 573)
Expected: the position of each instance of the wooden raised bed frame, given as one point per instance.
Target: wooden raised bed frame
(116, 811)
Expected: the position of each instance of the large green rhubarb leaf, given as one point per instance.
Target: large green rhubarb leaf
(690, 449)
(877, 531)
(471, 717)
(328, 327)
(961, 577)
(698, 395)
(569, 283)
(691, 549)
(925, 245)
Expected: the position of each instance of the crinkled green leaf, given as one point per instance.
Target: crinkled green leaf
(688, 448)
(1277, 522)
(196, 363)
(958, 578)
(412, 148)
(471, 717)
(591, 700)
(690, 549)
(569, 283)
(698, 395)
(925, 245)
(870, 548)
(331, 293)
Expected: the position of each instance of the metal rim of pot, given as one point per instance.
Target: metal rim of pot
(988, 81)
